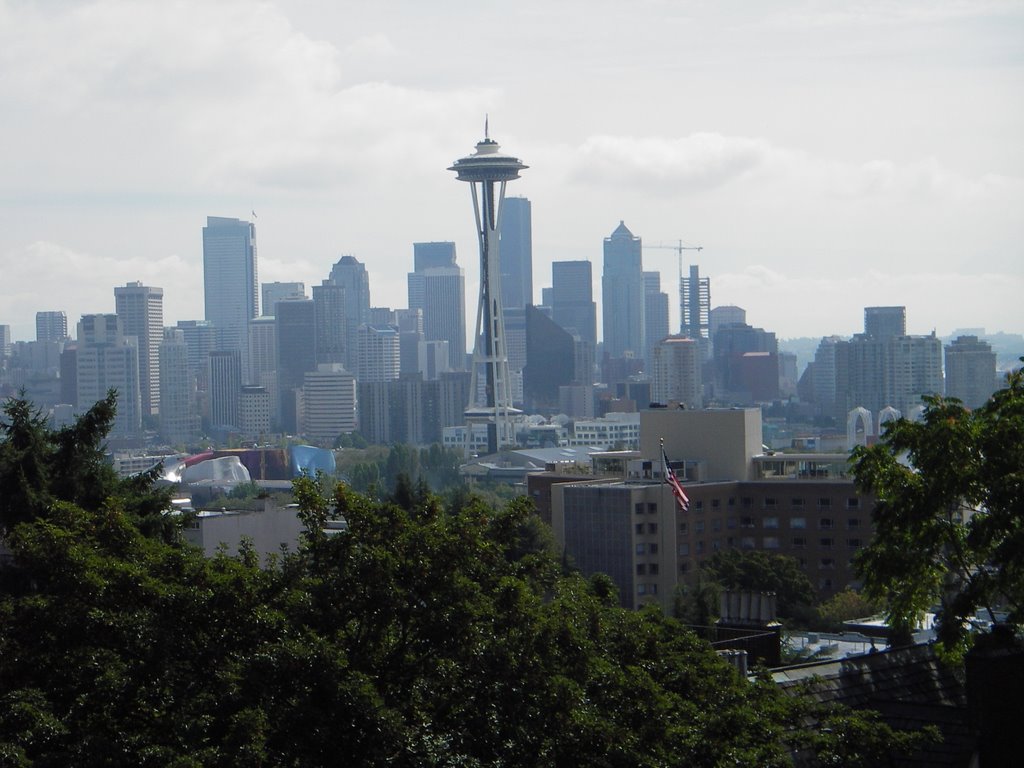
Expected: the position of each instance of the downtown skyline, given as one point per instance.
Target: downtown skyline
(826, 157)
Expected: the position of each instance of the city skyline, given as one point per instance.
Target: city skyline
(825, 158)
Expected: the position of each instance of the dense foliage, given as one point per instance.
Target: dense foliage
(419, 636)
(949, 523)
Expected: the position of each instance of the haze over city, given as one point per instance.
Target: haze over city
(826, 156)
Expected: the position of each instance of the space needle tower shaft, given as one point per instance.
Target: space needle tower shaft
(488, 170)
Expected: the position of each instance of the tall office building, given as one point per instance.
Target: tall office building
(329, 311)
(178, 420)
(516, 236)
(225, 389)
(676, 371)
(655, 316)
(351, 275)
(437, 287)
(885, 322)
(275, 292)
(551, 361)
(622, 293)
(970, 370)
(695, 309)
(230, 282)
(263, 358)
(572, 299)
(51, 325)
(296, 355)
(727, 314)
(141, 311)
(5, 341)
(106, 360)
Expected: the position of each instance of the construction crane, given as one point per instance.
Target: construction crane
(678, 248)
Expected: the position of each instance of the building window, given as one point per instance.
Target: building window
(853, 523)
(641, 549)
(771, 542)
(716, 524)
(639, 527)
(798, 523)
(684, 550)
(730, 523)
(698, 506)
(799, 542)
(698, 526)
(853, 543)
(700, 547)
(684, 567)
(853, 503)
(683, 527)
(652, 549)
(826, 524)
(652, 527)
(824, 503)
(746, 522)
(746, 501)
(715, 503)
(769, 502)
(732, 501)
(653, 569)
(747, 542)
(652, 508)
(638, 508)
(641, 569)
(797, 503)
(715, 545)
(770, 522)
(826, 542)
(827, 563)
(641, 589)
(824, 583)
(652, 589)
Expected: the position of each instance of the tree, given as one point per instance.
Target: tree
(758, 571)
(949, 522)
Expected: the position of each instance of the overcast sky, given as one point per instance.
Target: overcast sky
(826, 155)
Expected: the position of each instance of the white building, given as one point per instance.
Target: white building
(329, 398)
(677, 372)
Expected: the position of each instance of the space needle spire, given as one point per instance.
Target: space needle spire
(487, 170)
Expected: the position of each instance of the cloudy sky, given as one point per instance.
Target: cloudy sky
(826, 155)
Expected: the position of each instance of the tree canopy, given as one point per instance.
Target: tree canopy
(949, 522)
(417, 636)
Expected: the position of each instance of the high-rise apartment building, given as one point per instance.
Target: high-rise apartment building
(622, 293)
(329, 310)
(676, 371)
(655, 316)
(106, 360)
(379, 353)
(141, 311)
(277, 291)
(516, 237)
(970, 370)
(263, 358)
(179, 422)
(230, 282)
(51, 325)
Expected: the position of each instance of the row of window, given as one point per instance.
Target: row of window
(647, 589)
(824, 564)
(769, 502)
(645, 569)
(770, 523)
(768, 542)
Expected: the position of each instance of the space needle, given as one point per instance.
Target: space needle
(487, 170)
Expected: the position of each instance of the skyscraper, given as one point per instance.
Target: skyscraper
(379, 353)
(329, 309)
(622, 293)
(230, 282)
(107, 360)
(275, 292)
(488, 170)
(655, 316)
(516, 237)
(676, 371)
(225, 388)
(140, 309)
(695, 309)
(437, 287)
(296, 354)
(351, 275)
(970, 370)
(572, 299)
(51, 325)
(178, 420)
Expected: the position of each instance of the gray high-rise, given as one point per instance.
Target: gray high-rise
(572, 299)
(140, 308)
(230, 282)
(622, 294)
(51, 325)
(655, 317)
(516, 237)
(438, 288)
(351, 275)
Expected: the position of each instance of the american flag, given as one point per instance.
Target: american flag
(673, 481)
